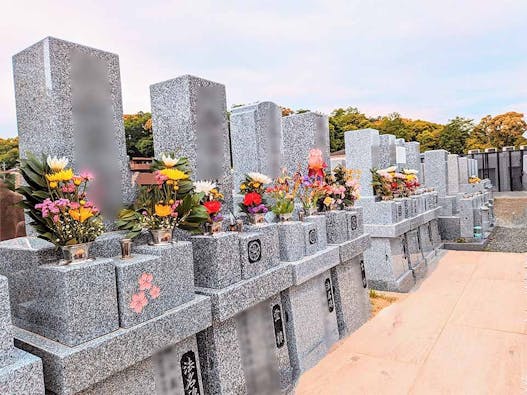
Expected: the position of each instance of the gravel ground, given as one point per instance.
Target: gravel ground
(508, 240)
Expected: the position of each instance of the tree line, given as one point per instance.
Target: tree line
(456, 136)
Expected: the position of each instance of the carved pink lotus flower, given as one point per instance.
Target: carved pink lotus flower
(154, 292)
(145, 281)
(139, 301)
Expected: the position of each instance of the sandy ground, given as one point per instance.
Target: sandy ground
(463, 331)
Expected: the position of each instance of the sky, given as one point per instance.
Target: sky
(426, 59)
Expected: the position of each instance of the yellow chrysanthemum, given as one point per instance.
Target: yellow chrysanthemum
(81, 214)
(163, 210)
(328, 201)
(63, 175)
(174, 174)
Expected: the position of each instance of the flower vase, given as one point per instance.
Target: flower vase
(213, 227)
(76, 253)
(285, 217)
(161, 236)
(258, 218)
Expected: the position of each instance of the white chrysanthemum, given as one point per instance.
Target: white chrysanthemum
(391, 169)
(57, 164)
(204, 186)
(259, 177)
(168, 161)
(410, 171)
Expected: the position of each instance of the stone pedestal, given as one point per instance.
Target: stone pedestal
(312, 321)
(20, 372)
(72, 304)
(337, 226)
(352, 299)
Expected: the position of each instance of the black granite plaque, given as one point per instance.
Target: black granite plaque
(353, 222)
(254, 250)
(363, 274)
(278, 326)
(329, 295)
(313, 237)
(189, 372)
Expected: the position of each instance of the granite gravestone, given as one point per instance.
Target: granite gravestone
(68, 101)
(413, 156)
(453, 174)
(256, 140)
(387, 151)
(301, 133)
(436, 170)
(362, 153)
(189, 117)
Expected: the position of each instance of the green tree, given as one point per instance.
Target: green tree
(454, 136)
(138, 132)
(8, 152)
(342, 120)
(499, 131)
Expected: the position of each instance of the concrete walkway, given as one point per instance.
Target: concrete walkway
(463, 331)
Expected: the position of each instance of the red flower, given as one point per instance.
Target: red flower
(252, 199)
(212, 206)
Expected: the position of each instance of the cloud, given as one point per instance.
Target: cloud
(434, 59)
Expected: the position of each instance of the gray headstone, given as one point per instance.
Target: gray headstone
(400, 153)
(387, 153)
(463, 169)
(453, 174)
(301, 133)
(256, 140)
(68, 101)
(436, 171)
(362, 153)
(413, 156)
(189, 117)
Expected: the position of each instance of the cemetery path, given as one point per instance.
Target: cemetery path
(463, 331)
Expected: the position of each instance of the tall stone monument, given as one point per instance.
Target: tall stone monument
(301, 133)
(256, 139)
(189, 117)
(362, 153)
(68, 102)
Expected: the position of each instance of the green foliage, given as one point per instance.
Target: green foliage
(138, 132)
(499, 131)
(8, 153)
(455, 134)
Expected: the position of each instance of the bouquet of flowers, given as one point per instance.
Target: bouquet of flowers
(253, 189)
(171, 202)
(384, 182)
(474, 180)
(56, 201)
(283, 193)
(316, 165)
(411, 181)
(212, 201)
(349, 180)
(334, 193)
(310, 191)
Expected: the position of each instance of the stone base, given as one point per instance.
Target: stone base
(230, 301)
(473, 245)
(170, 371)
(311, 323)
(23, 376)
(247, 353)
(352, 299)
(405, 283)
(449, 228)
(420, 270)
(73, 369)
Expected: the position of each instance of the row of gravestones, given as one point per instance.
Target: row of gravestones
(237, 312)
(404, 231)
(467, 209)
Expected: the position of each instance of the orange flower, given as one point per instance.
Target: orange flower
(163, 210)
(81, 214)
